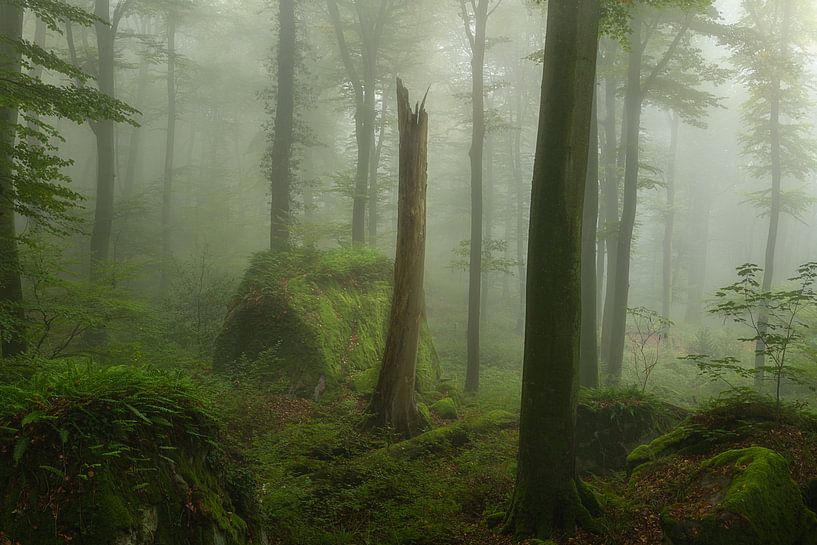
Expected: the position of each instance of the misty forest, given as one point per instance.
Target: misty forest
(408, 272)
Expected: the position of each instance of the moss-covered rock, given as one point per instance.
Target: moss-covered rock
(445, 408)
(117, 455)
(609, 423)
(741, 497)
(454, 435)
(304, 314)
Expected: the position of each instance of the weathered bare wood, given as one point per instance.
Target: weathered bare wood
(393, 403)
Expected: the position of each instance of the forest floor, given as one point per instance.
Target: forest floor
(323, 481)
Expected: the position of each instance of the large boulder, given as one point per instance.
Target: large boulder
(310, 319)
(741, 497)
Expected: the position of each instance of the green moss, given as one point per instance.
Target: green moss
(424, 411)
(445, 408)
(658, 446)
(453, 436)
(310, 314)
(759, 505)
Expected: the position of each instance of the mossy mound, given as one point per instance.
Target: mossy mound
(327, 481)
(115, 455)
(304, 314)
(738, 422)
(741, 497)
(610, 423)
(445, 408)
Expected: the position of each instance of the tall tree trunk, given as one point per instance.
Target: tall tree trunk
(488, 223)
(775, 210)
(477, 39)
(12, 338)
(393, 403)
(547, 498)
(364, 91)
(170, 148)
(374, 165)
(104, 131)
(589, 366)
(519, 198)
(669, 222)
(281, 155)
(610, 196)
(698, 253)
(133, 167)
(632, 119)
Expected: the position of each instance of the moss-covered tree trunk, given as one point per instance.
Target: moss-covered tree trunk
(11, 291)
(393, 404)
(547, 497)
(281, 154)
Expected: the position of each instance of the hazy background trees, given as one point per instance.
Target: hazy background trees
(687, 184)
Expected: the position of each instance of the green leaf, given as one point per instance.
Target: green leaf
(53, 470)
(20, 449)
(136, 411)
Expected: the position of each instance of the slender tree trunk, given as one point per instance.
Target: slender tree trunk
(547, 494)
(488, 223)
(170, 148)
(610, 197)
(669, 222)
(589, 366)
(281, 155)
(106, 158)
(374, 162)
(775, 210)
(12, 338)
(699, 250)
(393, 403)
(478, 39)
(133, 167)
(36, 72)
(519, 198)
(632, 119)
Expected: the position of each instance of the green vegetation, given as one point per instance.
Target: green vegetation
(113, 453)
(305, 314)
(752, 500)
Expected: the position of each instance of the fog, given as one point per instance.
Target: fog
(255, 244)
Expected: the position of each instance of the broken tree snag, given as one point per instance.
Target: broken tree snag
(393, 404)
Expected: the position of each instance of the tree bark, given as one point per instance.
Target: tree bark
(374, 165)
(477, 39)
(632, 119)
(393, 403)
(699, 250)
(132, 167)
(106, 158)
(669, 222)
(170, 147)
(281, 155)
(487, 222)
(610, 196)
(589, 366)
(12, 339)
(775, 209)
(547, 497)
